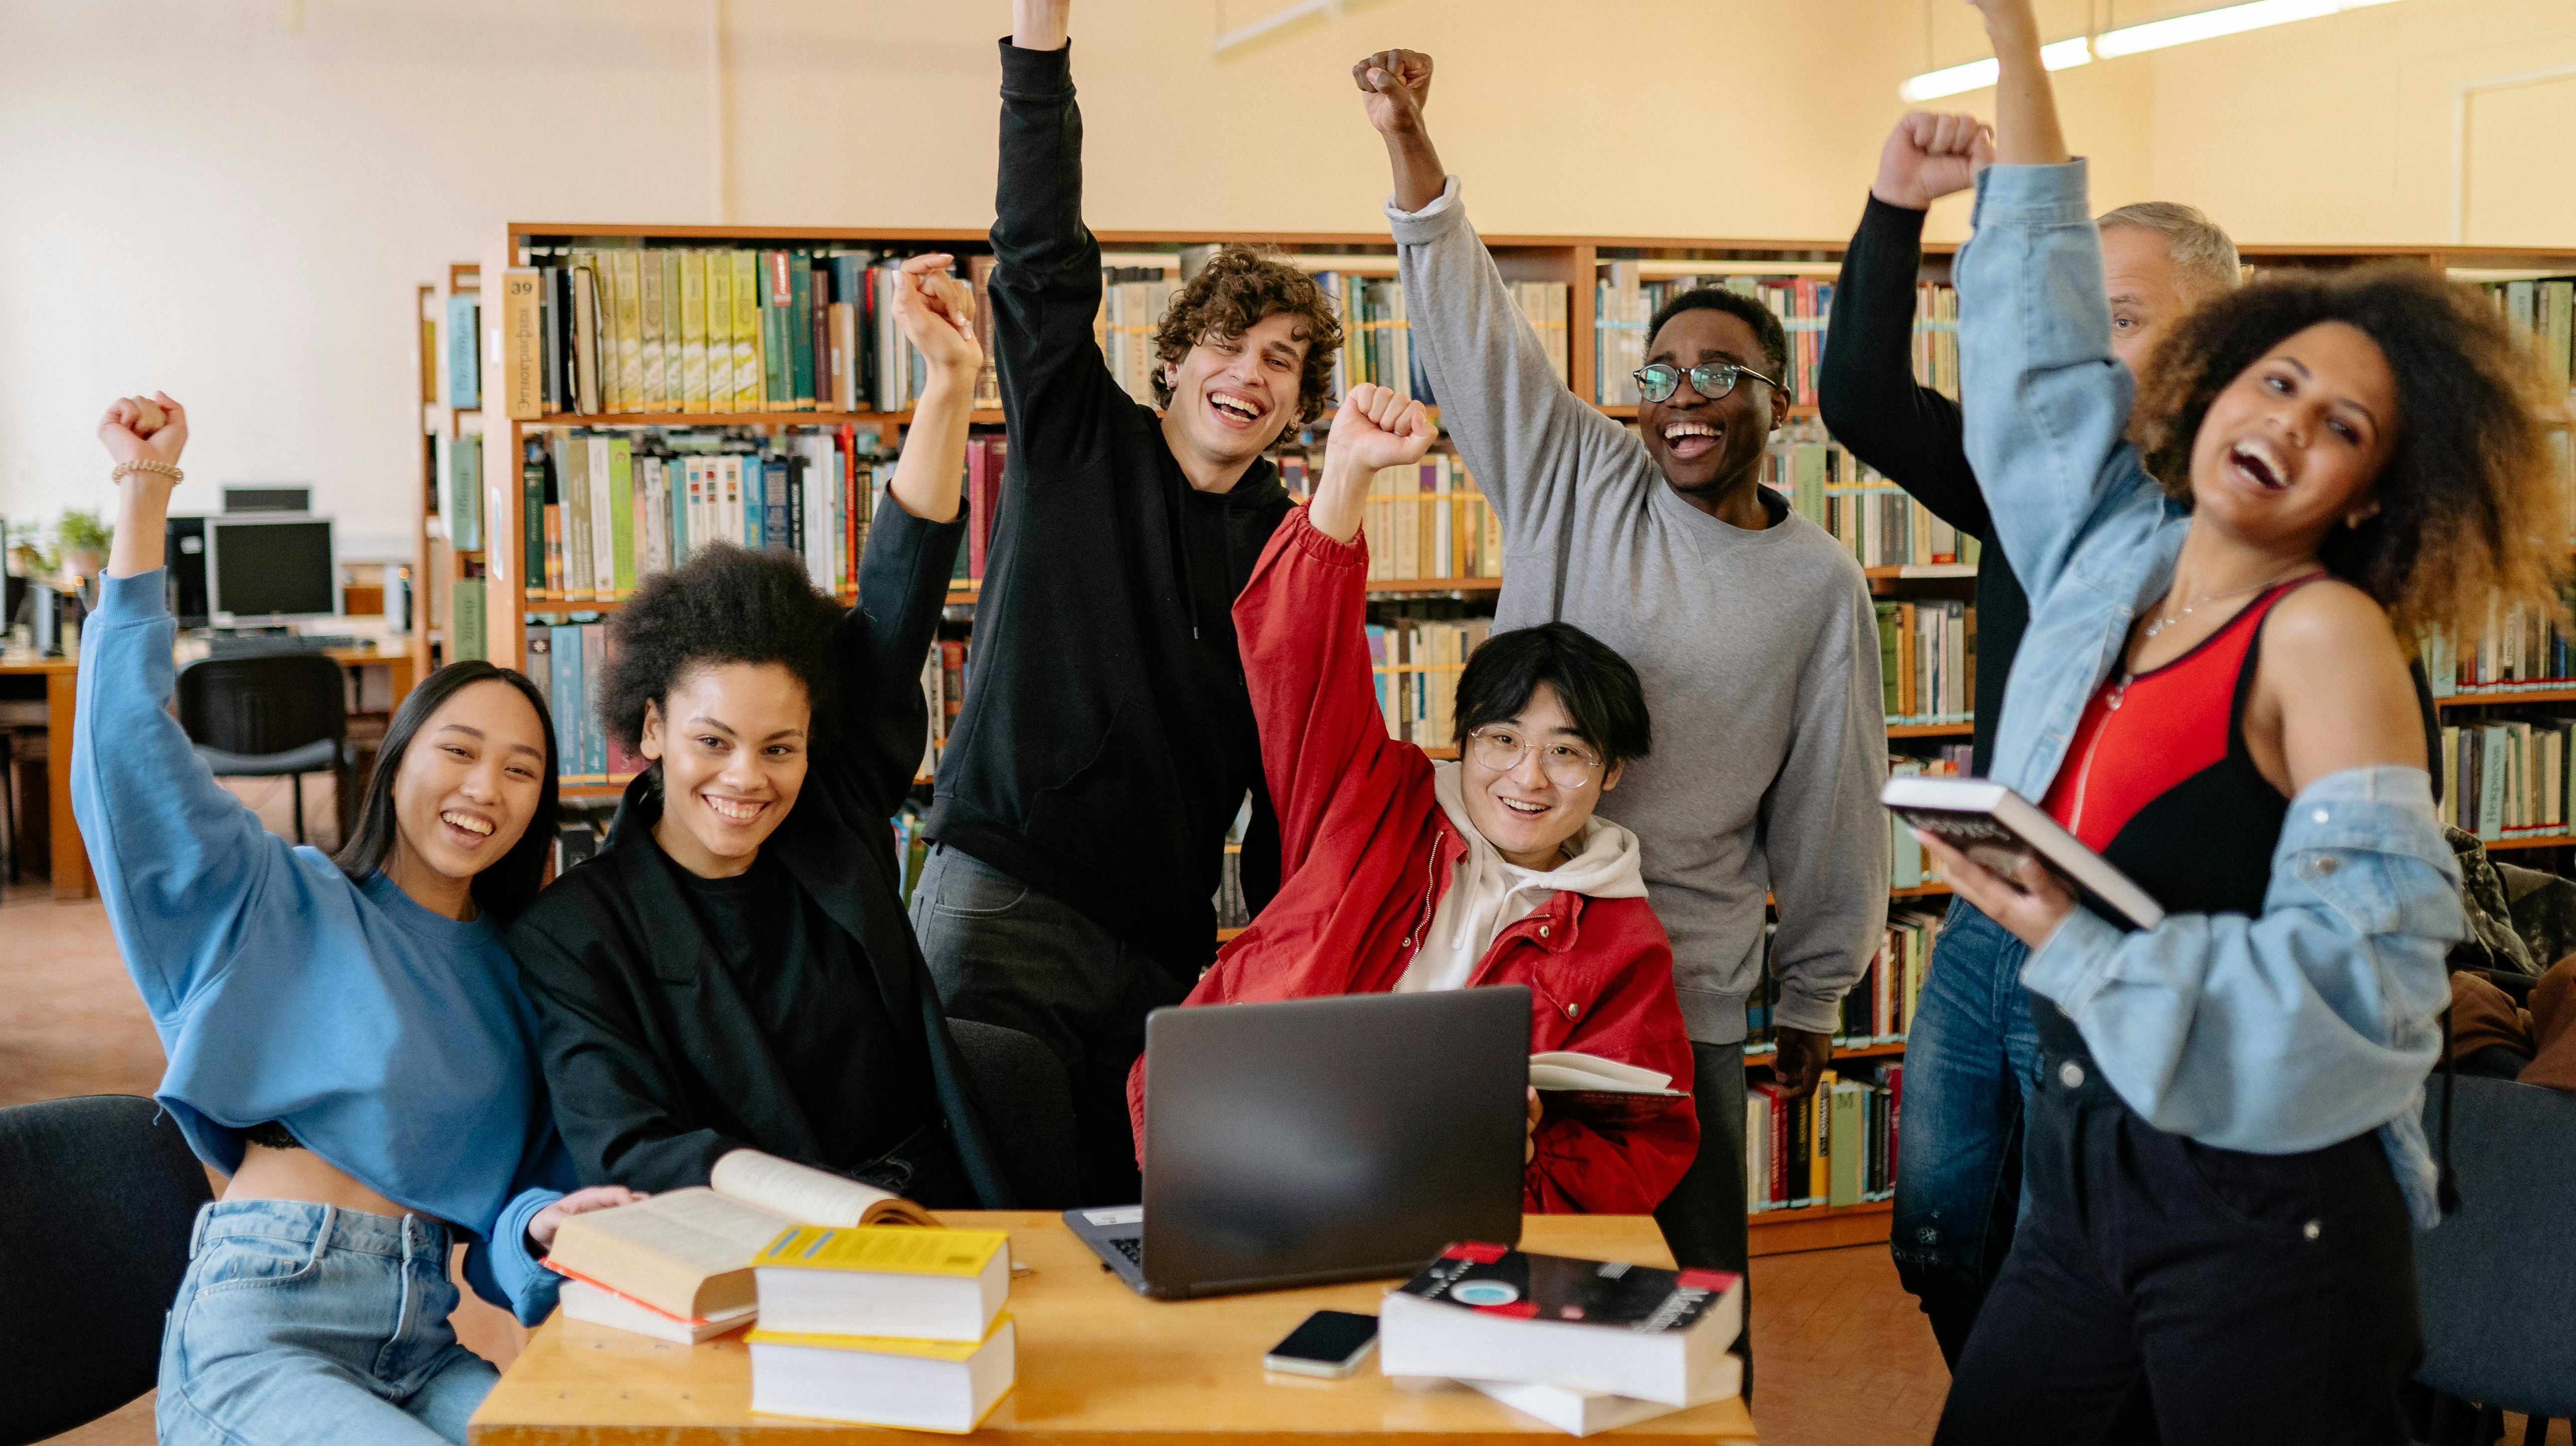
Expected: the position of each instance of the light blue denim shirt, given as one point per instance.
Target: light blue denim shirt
(2286, 1032)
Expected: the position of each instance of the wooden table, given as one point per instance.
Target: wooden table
(71, 861)
(1098, 1365)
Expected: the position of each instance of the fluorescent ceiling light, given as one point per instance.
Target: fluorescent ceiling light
(2132, 40)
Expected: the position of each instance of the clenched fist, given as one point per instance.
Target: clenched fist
(1930, 155)
(1398, 85)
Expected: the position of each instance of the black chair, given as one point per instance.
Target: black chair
(2495, 1281)
(1028, 1103)
(285, 714)
(98, 1196)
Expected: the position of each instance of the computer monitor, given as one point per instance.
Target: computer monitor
(270, 570)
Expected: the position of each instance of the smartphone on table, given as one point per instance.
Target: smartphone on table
(1331, 1343)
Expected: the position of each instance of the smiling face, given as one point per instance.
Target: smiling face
(466, 790)
(2289, 449)
(1526, 815)
(731, 739)
(1233, 396)
(1707, 448)
(2146, 288)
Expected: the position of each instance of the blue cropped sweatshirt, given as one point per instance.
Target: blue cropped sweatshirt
(391, 1041)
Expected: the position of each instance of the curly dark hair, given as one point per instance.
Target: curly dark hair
(1765, 322)
(727, 605)
(2466, 499)
(1239, 287)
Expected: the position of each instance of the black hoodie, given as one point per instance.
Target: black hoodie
(1106, 740)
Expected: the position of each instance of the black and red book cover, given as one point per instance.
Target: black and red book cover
(1498, 1280)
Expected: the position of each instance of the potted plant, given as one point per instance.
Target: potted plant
(84, 538)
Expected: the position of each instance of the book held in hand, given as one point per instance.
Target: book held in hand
(1600, 1091)
(1484, 1312)
(941, 1285)
(879, 1381)
(688, 1253)
(1998, 828)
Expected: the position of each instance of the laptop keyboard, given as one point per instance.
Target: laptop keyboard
(1133, 1247)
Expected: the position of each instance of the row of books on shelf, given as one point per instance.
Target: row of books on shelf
(1132, 302)
(2544, 311)
(1879, 1009)
(1427, 521)
(646, 329)
(1625, 302)
(1927, 661)
(1879, 521)
(568, 662)
(1835, 1147)
(943, 689)
(1417, 662)
(2506, 780)
(2519, 651)
(1908, 867)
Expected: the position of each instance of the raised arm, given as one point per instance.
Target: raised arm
(180, 862)
(1045, 287)
(2045, 401)
(1528, 440)
(1302, 623)
(1866, 388)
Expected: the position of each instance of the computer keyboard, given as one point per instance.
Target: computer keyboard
(1131, 1246)
(261, 644)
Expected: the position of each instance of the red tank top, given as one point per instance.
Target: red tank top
(2163, 750)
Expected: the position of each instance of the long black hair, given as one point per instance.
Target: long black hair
(511, 883)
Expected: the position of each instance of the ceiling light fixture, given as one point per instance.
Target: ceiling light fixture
(2132, 40)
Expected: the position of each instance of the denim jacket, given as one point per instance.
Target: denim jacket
(2286, 1032)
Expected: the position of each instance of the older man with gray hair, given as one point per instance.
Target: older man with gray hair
(1970, 1048)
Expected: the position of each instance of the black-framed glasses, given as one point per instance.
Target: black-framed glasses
(1567, 765)
(1710, 379)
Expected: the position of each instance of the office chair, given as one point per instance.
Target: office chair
(285, 714)
(1028, 1105)
(2493, 1281)
(98, 1196)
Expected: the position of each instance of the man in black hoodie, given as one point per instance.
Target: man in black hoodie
(1107, 741)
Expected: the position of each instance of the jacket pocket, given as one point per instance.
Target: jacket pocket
(1065, 815)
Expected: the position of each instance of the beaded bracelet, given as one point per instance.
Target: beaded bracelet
(146, 464)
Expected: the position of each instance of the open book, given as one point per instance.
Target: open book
(1998, 828)
(687, 1253)
(1600, 1091)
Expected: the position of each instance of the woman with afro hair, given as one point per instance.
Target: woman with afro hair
(734, 969)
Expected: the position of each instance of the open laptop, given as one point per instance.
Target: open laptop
(1322, 1139)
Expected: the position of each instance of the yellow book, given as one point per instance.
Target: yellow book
(648, 325)
(674, 379)
(719, 329)
(693, 331)
(747, 393)
(629, 322)
(522, 346)
(1819, 1139)
(945, 1285)
(948, 1386)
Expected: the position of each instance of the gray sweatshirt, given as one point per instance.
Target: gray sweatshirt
(1759, 652)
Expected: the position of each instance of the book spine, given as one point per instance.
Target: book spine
(603, 520)
(522, 344)
(465, 637)
(532, 520)
(630, 330)
(774, 529)
(648, 327)
(777, 310)
(674, 387)
(569, 704)
(746, 332)
(464, 376)
(594, 664)
(800, 279)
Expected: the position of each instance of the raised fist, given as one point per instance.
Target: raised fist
(1376, 428)
(1929, 155)
(144, 429)
(1398, 85)
(937, 313)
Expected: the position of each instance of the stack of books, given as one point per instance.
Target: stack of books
(1584, 1345)
(884, 1326)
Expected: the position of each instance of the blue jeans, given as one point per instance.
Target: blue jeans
(305, 1323)
(1970, 1054)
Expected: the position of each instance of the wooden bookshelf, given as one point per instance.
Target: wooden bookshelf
(1819, 1227)
(436, 565)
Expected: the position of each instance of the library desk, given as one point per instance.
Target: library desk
(70, 859)
(1099, 1365)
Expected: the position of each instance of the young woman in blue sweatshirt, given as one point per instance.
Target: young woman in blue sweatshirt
(346, 1036)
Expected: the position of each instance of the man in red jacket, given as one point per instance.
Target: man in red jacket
(1400, 874)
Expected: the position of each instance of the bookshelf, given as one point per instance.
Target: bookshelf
(435, 565)
(1577, 262)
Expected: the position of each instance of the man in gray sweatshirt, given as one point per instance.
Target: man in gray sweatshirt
(1751, 627)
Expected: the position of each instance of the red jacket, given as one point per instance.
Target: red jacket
(1367, 851)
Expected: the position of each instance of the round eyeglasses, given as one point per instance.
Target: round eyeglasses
(1710, 379)
(1567, 765)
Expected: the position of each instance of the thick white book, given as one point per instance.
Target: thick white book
(946, 1386)
(1587, 1413)
(1483, 1312)
(1602, 1091)
(1998, 827)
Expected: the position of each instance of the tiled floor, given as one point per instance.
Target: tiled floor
(1844, 1356)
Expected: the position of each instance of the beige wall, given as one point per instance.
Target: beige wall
(233, 200)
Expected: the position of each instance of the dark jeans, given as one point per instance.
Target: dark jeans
(1970, 1055)
(2259, 1298)
(1005, 954)
(1703, 1219)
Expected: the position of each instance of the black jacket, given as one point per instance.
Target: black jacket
(654, 1063)
(1106, 739)
(1870, 402)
